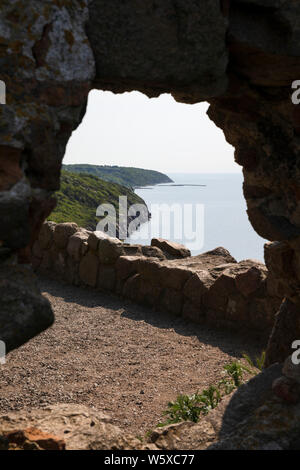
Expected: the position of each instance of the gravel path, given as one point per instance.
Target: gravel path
(116, 356)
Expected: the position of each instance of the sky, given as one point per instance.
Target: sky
(160, 134)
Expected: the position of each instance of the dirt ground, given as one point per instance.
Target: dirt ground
(120, 358)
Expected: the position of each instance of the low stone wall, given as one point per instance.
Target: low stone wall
(211, 287)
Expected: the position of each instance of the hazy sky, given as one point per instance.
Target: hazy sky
(160, 134)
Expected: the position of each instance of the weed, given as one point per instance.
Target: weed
(235, 370)
(191, 407)
(210, 398)
(184, 408)
(259, 361)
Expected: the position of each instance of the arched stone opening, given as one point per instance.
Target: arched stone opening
(241, 56)
(178, 139)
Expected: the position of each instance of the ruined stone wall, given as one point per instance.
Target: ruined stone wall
(259, 119)
(211, 288)
(240, 55)
(47, 65)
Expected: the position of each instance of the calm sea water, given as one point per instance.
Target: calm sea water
(218, 209)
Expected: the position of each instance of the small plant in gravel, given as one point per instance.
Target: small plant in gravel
(210, 398)
(236, 370)
(226, 386)
(184, 408)
(259, 361)
(191, 407)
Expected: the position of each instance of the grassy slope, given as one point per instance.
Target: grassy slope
(81, 194)
(131, 177)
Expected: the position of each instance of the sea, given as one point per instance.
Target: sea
(201, 211)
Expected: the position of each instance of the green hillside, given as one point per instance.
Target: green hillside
(81, 194)
(131, 177)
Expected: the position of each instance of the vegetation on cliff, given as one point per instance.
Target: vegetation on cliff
(80, 195)
(126, 176)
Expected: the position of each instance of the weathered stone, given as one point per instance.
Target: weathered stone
(291, 370)
(248, 397)
(286, 329)
(10, 169)
(172, 300)
(150, 269)
(88, 269)
(132, 250)
(237, 312)
(35, 263)
(71, 271)
(197, 286)
(275, 288)
(26, 438)
(257, 420)
(37, 251)
(172, 248)
(249, 281)
(77, 245)
(286, 389)
(260, 314)
(46, 262)
(215, 259)
(14, 215)
(174, 277)
(59, 261)
(153, 252)
(109, 250)
(39, 209)
(46, 234)
(218, 294)
(150, 293)
(193, 312)
(140, 290)
(78, 427)
(95, 238)
(190, 62)
(155, 271)
(279, 259)
(106, 277)
(62, 233)
(131, 288)
(168, 436)
(126, 266)
(24, 312)
(264, 58)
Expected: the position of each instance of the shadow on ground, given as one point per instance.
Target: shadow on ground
(231, 342)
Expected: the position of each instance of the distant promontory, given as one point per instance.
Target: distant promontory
(126, 176)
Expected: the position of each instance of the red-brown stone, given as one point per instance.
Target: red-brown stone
(44, 440)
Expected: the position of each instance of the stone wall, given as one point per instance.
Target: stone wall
(211, 287)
